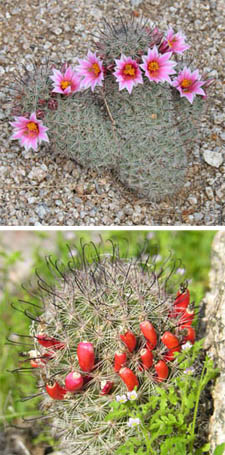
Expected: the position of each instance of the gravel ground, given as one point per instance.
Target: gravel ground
(40, 189)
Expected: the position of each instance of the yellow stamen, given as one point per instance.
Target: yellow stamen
(65, 84)
(32, 127)
(185, 84)
(95, 69)
(153, 66)
(129, 70)
(171, 42)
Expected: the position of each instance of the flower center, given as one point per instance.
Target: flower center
(33, 127)
(171, 42)
(185, 84)
(65, 84)
(95, 69)
(153, 67)
(129, 70)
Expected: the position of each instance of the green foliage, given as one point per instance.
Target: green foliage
(168, 419)
(141, 137)
(219, 449)
(12, 387)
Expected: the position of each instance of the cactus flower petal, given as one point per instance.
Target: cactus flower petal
(157, 67)
(189, 84)
(127, 73)
(174, 42)
(67, 82)
(91, 70)
(29, 131)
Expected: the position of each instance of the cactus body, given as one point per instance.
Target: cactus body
(97, 302)
(140, 137)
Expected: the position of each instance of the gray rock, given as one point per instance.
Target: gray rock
(41, 211)
(37, 173)
(213, 158)
(209, 192)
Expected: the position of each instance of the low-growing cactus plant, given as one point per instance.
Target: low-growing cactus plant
(106, 329)
(138, 129)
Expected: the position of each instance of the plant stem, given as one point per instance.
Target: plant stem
(196, 408)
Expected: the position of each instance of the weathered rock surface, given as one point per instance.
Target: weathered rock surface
(215, 340)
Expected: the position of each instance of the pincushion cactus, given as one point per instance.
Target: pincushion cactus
(112, 110)
(105, 329)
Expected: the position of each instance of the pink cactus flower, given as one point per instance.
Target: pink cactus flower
(29, 131)
(189, 84)
(65, 83)
(127, 73)
(158, 67)
(174, 42)
(91, 70)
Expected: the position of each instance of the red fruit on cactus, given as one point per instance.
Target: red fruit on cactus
(190, 335)
(170, 354)
(55, 391)
(170, 340)
(129, 378)
(149, 333)
(147, 358)
(186, 318)
(86, 356)
(181, 303)
(106, 387)
(119, 360)
(73, 381)
(162, 371)
(38, 361)
(129, 339)
(48, 342)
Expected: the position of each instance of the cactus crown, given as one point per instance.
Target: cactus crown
(130, 38)
(94, 303)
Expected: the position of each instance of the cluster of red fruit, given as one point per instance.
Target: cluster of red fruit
(86, 357)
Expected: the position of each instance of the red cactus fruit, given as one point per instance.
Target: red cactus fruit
(181, 303)
(55, 391)
(119, 360)
(186, 318)
(170, 340)
(162, 371)
(189, 335)
(169, 356)
(147, 358)
(86, 356)
(49, 342)
(129, 378)
(129, 339)
(73, 381)
(149, 333)
(106, 387)
(38, 361)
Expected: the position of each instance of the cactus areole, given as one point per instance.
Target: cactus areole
(84, 312)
